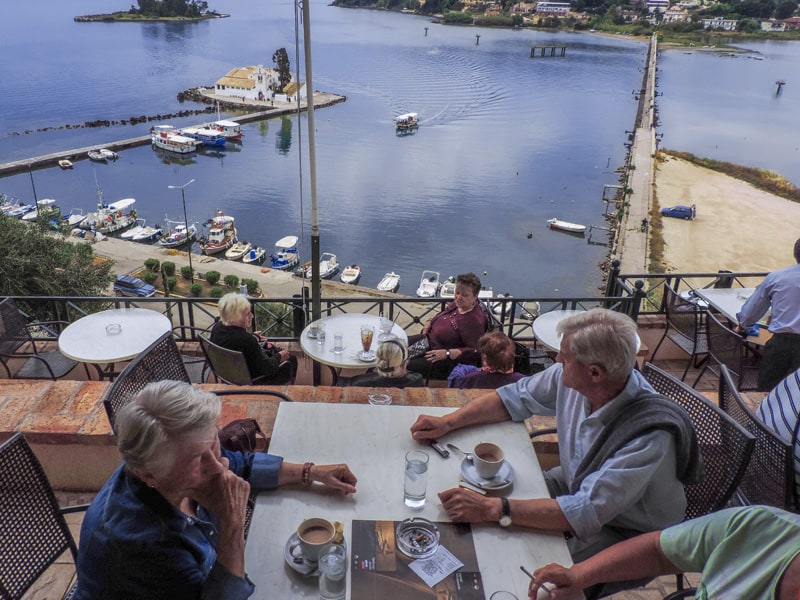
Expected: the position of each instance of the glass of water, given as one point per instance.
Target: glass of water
(332, 572)
(416, 479)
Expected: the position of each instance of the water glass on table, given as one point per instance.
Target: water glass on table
(416, 478)
(332, 572)
(338, 342)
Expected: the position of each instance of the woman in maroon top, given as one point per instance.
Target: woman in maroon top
(453, 334)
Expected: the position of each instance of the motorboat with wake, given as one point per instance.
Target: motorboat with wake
(286, 255)
(407, 121)
(428, 284)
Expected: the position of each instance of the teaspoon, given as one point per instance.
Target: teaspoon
(455, 448)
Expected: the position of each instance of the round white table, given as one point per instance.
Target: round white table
(112, 336)
(350, 326)
(544, 327)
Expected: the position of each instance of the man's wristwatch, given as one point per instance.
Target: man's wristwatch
(447, 354)
(505, 517)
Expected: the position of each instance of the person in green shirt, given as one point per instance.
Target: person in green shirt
(750, 552)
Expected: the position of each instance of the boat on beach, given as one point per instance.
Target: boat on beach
(286, 255)
(406, 121)
(255, 256)
(448, 288)
(428, 284)
(389, 283)
(351, 274)
(221, 234)
(566, 226)
(177, 235)
(238, 250)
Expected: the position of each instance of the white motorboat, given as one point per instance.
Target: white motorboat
(142, 232)
(390, 282)
(167, 138)
(255, 256)
(96, 156)
(351, 274)
(177, 235)
(221, 234)
(448, 288)
(108, 154)
(126, 235)
(230, 130)
(115, 218)
(45, 207)
(428, 284)
(530, 310)
(75, 216)
(406, 121)
(566, 226)
(65, 163)
(285, 256)
(238, 250)
(328, 266)
(20, 210)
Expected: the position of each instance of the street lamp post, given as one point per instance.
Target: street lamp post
(185, 218)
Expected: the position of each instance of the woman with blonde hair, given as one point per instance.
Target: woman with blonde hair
(392, 368)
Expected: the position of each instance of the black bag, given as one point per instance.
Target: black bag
(241, 435)
(522, 359)
(419, 348)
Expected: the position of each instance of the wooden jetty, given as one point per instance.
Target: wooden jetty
(553, 51)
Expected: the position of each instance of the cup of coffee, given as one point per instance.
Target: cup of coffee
(313, 535)
(487, 458)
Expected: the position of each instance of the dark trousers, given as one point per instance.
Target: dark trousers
(781, 357)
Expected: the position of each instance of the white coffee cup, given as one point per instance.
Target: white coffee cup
(313, 534)
(487, 458)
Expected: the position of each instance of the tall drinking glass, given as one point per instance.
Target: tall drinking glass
(332, 572)
(366, 337)
(416, 480)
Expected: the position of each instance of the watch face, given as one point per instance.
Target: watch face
(505, 521)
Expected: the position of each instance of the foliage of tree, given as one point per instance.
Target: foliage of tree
(281, 60)
(152, 264)
(457, 18)
(168, 267)
(171, 8)
(756, 9)
(785, 10)
(37, 264)
(232, 281)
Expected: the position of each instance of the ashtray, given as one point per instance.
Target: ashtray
(417, 537)
(113, 328)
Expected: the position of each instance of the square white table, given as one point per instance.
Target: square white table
(728, 301)
(373, 441)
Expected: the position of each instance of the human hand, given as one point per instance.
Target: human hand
(428, 427)
(435, 355)
(339, 477)
(557, 583)
(465, 506)
(225, 496)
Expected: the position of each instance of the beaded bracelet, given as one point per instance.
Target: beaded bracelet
(305, 477)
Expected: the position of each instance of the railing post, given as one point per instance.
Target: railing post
(612, 284)
(636, 303)
(298, 312)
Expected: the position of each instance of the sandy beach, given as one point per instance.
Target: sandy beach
(738, 227)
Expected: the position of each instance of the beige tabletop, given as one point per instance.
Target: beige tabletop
(350, 326)
(373, 441)
(112, 335)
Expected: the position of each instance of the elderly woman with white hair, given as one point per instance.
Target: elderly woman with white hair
(391, 369)
(170, 521)
(265, 362)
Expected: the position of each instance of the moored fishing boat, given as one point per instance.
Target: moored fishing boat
(209, 137)
(566, 226)
(285, 256)
(116, 219)
(351, 274)
(230, 130)
(177, 235)
(390, 282)
(406, 121)
(166, 137)
(221, 234)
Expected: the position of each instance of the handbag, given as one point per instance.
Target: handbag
(241, 435)
(419, 348)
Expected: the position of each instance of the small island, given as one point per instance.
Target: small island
(159, 10)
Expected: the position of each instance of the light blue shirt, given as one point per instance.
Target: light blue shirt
(781, 291)
(636, 488)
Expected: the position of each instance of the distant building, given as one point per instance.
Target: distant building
(522, 8)
(257, 83)
(772, 25)
(654, 6)
(792, 23)
(720, 23)
(558, 9)
(675, 15)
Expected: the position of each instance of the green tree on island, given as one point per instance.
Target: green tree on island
(171, 8)
(281, 60)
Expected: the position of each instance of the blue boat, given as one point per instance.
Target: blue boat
(285, 256)
(209, 137)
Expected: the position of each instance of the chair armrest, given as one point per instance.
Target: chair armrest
(538, 432)
(54, 328)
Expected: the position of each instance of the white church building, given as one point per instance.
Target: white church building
(258, 83)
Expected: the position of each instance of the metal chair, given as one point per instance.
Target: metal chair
(33, 530)
(16, 335)
(726, 446)
(769, 478)
(229, 366)
(685, 327)
(726, 347)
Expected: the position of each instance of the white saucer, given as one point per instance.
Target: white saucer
(294, 558)
(504, 478)
(367, 356)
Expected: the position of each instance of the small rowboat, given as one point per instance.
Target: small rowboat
(255, 256)
(238, 250)
(65, 163)
(566, 226)
(351, 274)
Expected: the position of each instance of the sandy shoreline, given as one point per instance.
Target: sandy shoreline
(738, 227)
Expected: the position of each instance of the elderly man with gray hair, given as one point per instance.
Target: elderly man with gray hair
(624, 451)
